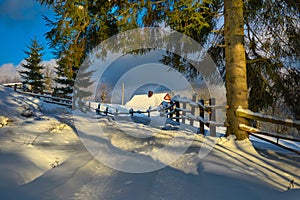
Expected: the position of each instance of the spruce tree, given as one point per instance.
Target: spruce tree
(64, 79)
(32, 75)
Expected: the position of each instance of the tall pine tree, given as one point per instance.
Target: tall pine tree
(32, 75)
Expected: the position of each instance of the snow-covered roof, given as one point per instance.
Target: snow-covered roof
(143, 102)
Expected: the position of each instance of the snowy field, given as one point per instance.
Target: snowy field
(42, 157)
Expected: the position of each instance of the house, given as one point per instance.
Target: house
(144, 101)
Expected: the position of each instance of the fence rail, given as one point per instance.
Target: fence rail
(190, 114)
(46, 98)
(257, 116)
(248, 114)
(250, 129)
(50, 99)
(275, 143)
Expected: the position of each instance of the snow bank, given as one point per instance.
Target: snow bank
(30, 145)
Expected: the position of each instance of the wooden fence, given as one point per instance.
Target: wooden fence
(131, 111)
(195, 113)
(46, 98)
(248, 114)
(189, 111)
(182, 110)
(50, 99)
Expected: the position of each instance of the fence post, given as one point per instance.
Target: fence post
(194, 99)
(177, 105)
(171, 109)
(106, 111)
(183, 112)
(131, 111)
(148, 111)
(98, 108)
(212, 116)
(201, 113)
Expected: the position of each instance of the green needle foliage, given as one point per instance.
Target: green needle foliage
(78, 26)
(33, 76)
(271, 37)
(272, 44)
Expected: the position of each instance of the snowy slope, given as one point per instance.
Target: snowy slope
(41, 157)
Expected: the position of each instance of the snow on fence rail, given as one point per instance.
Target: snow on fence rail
(257, 116)
(248, 114)
(14, 85)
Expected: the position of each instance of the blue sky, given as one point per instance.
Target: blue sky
(20, 22)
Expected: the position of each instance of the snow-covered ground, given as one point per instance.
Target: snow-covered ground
(42, 157)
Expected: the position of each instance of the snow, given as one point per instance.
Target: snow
(251, 115)
(42, 157)
(143, 102)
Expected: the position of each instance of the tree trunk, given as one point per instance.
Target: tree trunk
(236, 76)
